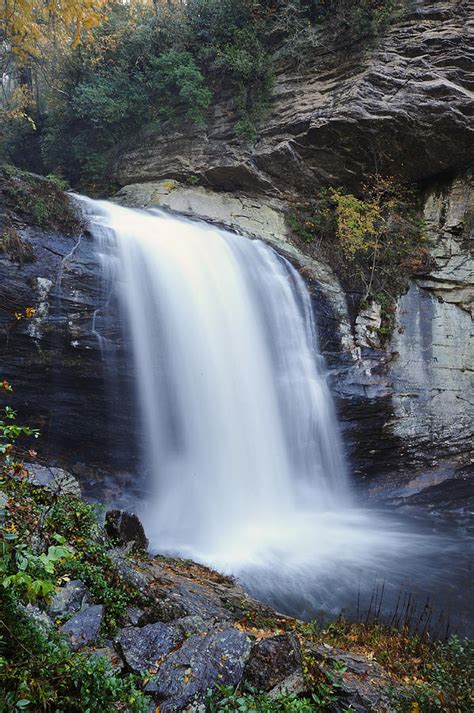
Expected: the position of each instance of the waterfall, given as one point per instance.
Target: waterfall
(239, 429)
(241, 456)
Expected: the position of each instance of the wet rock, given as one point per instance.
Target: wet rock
(135, 616)
(190, 625)
(201, 663)
(56, 480)
(144, 647)
(84, 627)
(272, 660)
(69, 599)
(124, 527)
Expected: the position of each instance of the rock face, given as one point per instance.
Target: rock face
(432, 369)
(401, 408)
(403, 106)
(53, 359)
(367, 324)
(392, 401)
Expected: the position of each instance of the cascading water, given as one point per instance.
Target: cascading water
(245, 465)
(239, 424)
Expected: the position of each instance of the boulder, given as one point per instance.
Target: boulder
(69, 599)
(56, 480)
(202, 662)
(144, 647)
(135, 616)
(84, 627)
(272, 660)
(125, 527)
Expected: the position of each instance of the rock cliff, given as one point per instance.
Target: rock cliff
(403, 106)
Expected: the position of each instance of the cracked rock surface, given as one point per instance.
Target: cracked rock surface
(403, 106)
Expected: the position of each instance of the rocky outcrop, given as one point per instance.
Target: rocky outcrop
(432, 368)
(417, 406)
(403, 106)
(52, 353)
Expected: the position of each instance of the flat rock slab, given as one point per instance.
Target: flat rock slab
(144, 647)
(217, 658)
(56, 480)
(84, 627)
(272, 660)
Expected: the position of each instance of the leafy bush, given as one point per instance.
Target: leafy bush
(37, 669)
(39, 672)
(226, 700)
(374, 240)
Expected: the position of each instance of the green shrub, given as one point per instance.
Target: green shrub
(37, 669)
(374, 240)
(39, 672)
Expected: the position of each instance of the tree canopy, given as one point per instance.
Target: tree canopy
(28, 25)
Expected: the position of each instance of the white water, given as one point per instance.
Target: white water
(240, 440)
